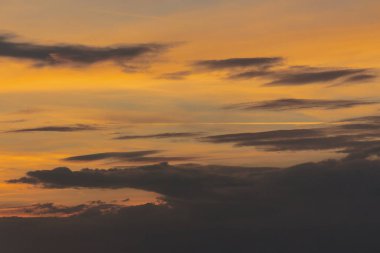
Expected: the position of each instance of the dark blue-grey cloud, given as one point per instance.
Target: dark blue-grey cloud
(77, 55)
(296, 104)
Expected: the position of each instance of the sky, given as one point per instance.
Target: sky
(162, 108)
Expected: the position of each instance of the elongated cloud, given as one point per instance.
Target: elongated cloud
(75, 55)
(222, 64)
(358, 136)
(157, 136)
(296, 104)
(315, 76)
(133, 156)
(73, 128)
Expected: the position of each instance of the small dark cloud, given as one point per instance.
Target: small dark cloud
(157, 136)
(361, 78)
(223, 64)
(296, 104)
(73, 128)
(77, 55)
(180, 75)
(134, 156)
(304, 77)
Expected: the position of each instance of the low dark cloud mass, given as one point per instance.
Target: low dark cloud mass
(296, 104)
(133, 156)
(53, 210)
(73, 128)
(76, 55)
(222, 64)
(329, 206)
(157, 136)
(357, 136)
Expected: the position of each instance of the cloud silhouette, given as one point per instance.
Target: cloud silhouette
(133, 156)
(256, 62)
(356, 136)
(297, 104)
(157, 136)
(76, 55)
(302, 77)
(73, 128)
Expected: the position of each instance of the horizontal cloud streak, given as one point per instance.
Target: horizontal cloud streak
(296, 104)
(134, 156)
(258, 62)
(73, 128)
(157, 136)
(75, 55)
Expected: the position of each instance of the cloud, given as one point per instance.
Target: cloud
(304, 77)
(73, 128)
(211, 209)
(77, 55)
(134, 156)
(353, 137)
(361, 78)
(223, 64)
(157, 136)
(297, 104)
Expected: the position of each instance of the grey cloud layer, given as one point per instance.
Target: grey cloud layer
(295, 104)
(76, 55)
(359, 137)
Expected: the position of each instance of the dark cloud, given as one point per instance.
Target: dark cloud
(296, 104)
(134, 156)
(223, 64)
(356, 136)
(329, 206)
(157, 136)
(309, 77)
(73, 128)
(361, 78)
(76, 55)
(51, 209)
